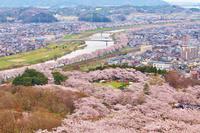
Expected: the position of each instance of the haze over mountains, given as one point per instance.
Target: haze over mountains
(62, 3)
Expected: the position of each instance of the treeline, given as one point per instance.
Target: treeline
(150, 69)
(94, 17)
(143, 69)
(39, 18)
(31, 77)
(27, 15)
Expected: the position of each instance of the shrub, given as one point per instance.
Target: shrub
(30, 78)
(58, 77)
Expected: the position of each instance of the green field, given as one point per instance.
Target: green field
(115, 84)
(52, 51)
(40, 55)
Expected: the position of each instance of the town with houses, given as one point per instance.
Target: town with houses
(107, 66)
(166, 48)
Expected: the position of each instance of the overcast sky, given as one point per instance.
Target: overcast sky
(177, 1)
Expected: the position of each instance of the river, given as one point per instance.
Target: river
(94, 42)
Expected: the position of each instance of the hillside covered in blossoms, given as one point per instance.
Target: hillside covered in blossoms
(99, 66)
(147, 104)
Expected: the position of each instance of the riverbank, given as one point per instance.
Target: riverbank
(59, 48)
(46, 67)
(121, 41)
(96, 41)
(52, 51)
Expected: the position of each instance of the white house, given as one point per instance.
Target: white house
(162, 65)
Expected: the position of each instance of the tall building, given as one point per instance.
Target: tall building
(189, 52)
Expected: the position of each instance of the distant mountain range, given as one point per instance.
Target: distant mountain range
(64, 3)
(191, 4)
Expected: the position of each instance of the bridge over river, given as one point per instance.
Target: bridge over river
(94, 43)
